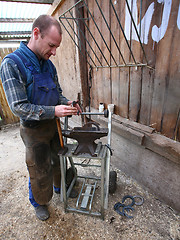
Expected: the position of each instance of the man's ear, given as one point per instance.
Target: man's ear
(36, 33)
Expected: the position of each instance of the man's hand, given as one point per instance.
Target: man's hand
(65, 110)
(75, 105)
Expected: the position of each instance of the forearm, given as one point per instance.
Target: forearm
(28, 111)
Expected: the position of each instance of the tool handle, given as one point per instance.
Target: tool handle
(60, 132)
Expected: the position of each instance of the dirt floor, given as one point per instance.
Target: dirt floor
(153, 220)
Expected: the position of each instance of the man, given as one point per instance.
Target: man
(34, 95)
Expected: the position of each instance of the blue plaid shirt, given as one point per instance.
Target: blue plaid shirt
(15, 90)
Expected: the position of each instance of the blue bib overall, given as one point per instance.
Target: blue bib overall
(41, 89)
(40, 137)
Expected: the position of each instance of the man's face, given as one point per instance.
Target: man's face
(47, 44)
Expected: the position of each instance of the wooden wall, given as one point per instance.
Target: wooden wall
(148, 95)
(67, 60)
(7, 116)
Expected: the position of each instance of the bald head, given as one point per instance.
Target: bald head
(44, 23)
(46, 37)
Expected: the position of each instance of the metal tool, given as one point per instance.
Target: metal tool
(127, 208)
(130, 197)
(86, 136)
(105, 113)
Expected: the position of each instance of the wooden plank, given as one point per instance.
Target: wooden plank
(82, 59)
(135, 93)
(6, 114)
(161, 73)
(66, 59)
(115, 72)
(96, 76)
(128, 133)
(16, 20)
(141, 80)
(146, 96)
(55, 6)
(1, 55)
(89, 27)
(148, 74)
(124, 72)
(135, 73)
(134, 125)
(105, 90)
(171, 105)
(8, 117)
(163, 146)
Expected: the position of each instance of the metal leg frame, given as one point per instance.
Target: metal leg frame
(89, 193)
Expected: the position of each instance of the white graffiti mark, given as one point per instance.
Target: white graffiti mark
(158, 33)
(143, 30)
(178, 18)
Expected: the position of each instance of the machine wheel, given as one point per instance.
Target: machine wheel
(112, 181)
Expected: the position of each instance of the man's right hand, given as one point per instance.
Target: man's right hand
(65, 110)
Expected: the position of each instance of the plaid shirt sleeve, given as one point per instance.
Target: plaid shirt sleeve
(15, 91)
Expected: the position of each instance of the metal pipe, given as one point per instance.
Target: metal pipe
(93, 193)
(92, 113)
(127, 65)
(86, 165)
(71, 8)
(105, 113)
(95, 214)
(72, 18)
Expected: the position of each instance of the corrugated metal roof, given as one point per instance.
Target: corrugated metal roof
(18, 10)
(22, 10)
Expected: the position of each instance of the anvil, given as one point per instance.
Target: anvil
(85, 137)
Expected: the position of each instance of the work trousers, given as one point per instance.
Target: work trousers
(42, 147)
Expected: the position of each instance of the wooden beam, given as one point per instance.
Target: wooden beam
(144, 136)
(13, 38)
(55, 5)
(32, 1)
(16, 20)
(15, 33)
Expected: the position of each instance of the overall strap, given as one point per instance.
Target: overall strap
(17, 58)
(51, 68)
(24, 63)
